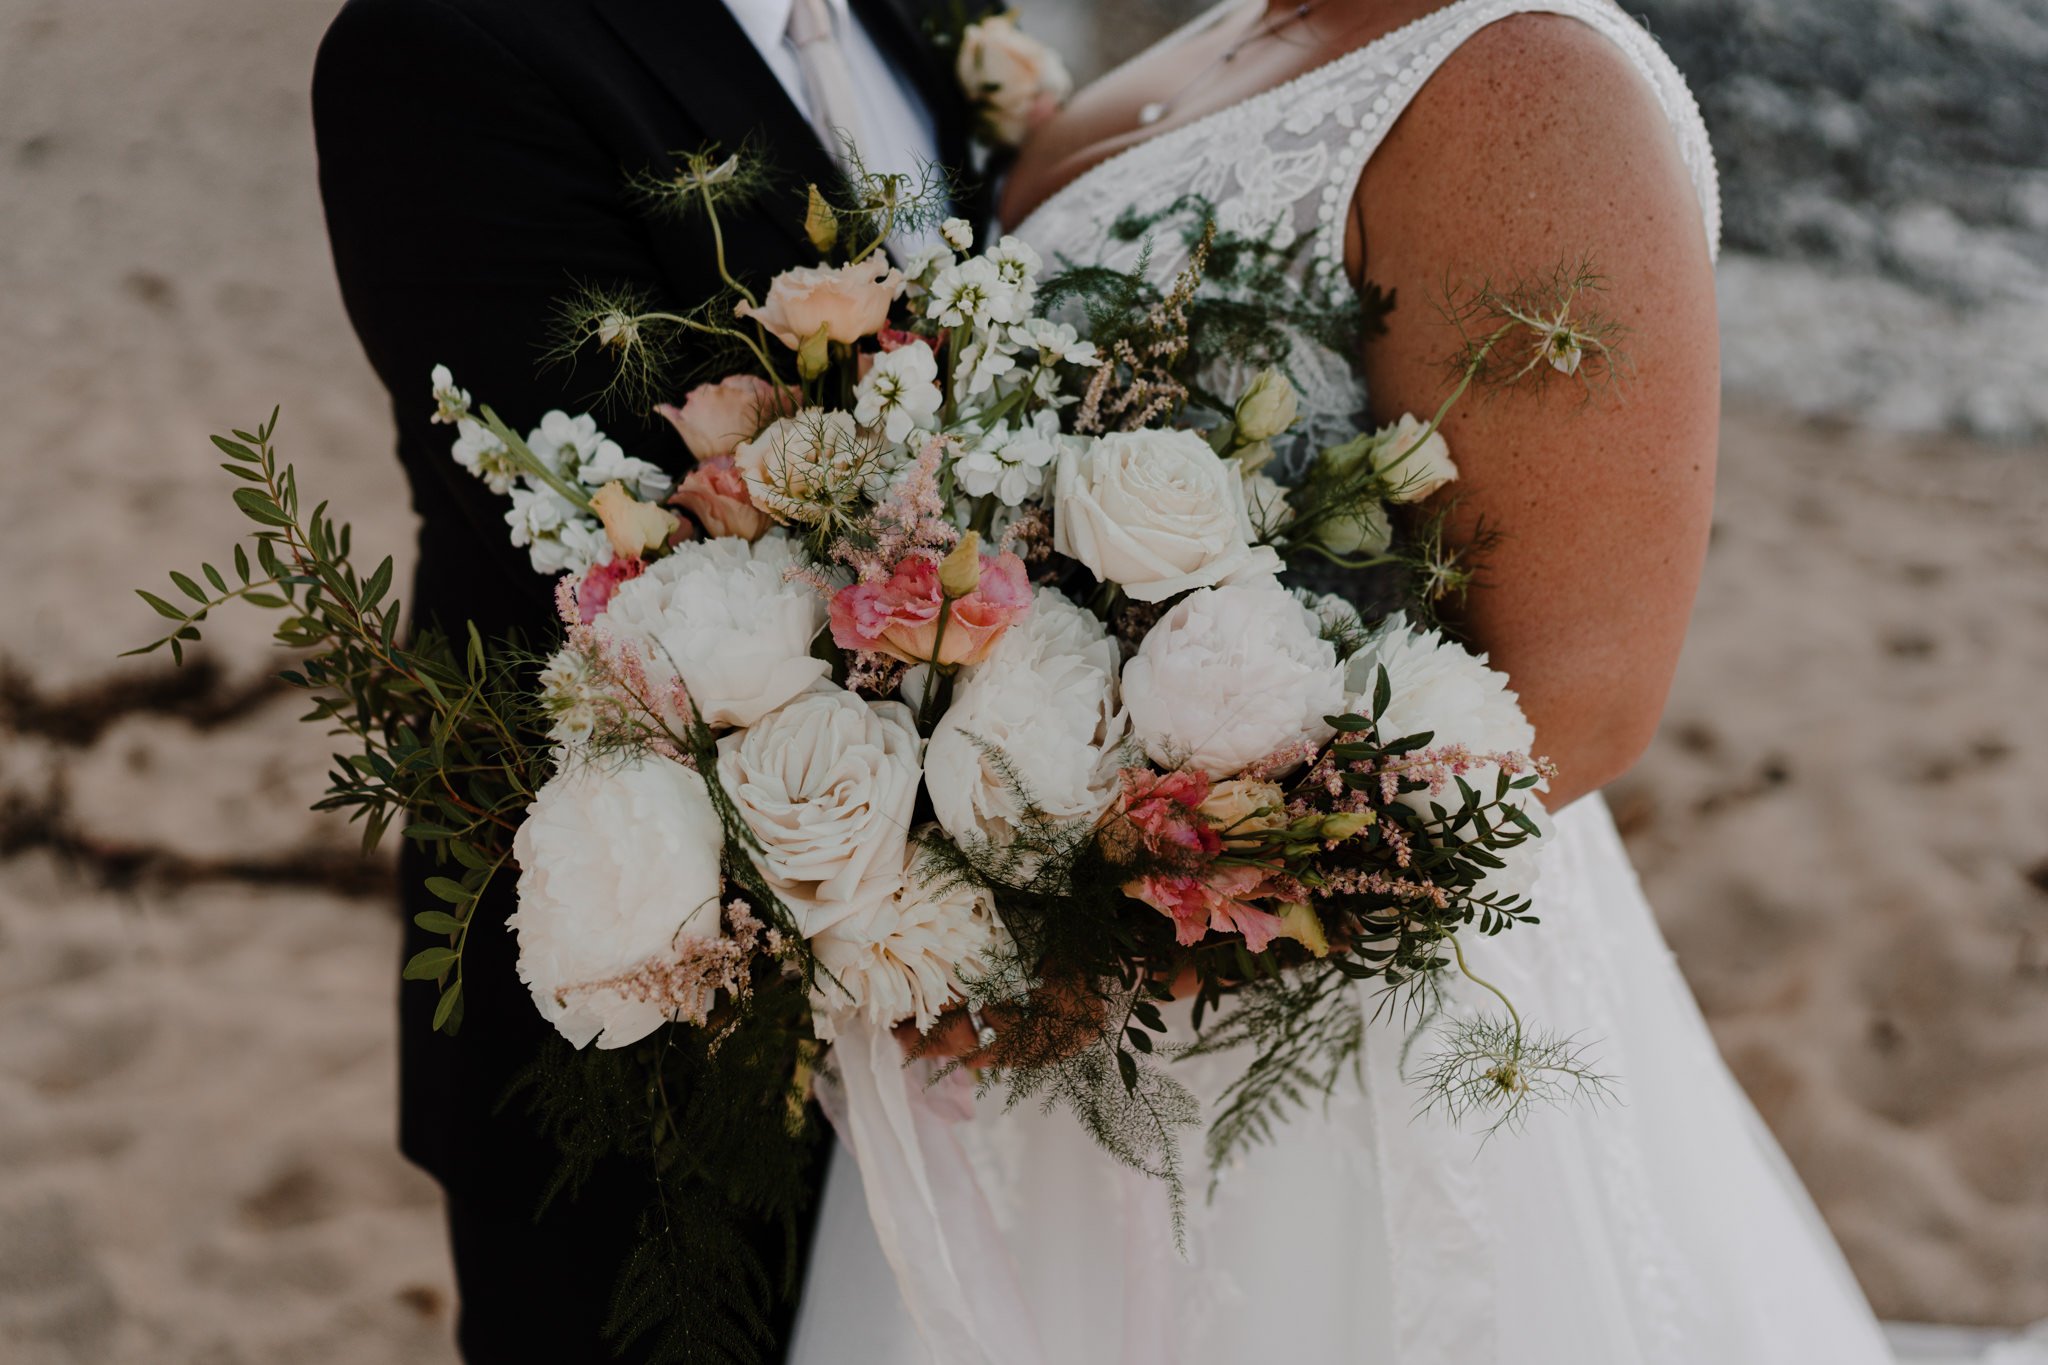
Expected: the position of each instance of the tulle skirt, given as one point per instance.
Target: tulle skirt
(1663, 1226)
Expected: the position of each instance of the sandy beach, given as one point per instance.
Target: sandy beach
(1840, 822)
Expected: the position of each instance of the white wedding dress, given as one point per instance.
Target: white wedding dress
(1664, 1228)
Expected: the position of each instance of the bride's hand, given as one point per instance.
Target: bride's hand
(1063, 1019)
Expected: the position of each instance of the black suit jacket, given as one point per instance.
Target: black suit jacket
(474, 157)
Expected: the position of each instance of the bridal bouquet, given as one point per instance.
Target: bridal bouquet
(956, 676)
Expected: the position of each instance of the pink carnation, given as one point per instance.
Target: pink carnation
(1218, 902)
(600, 581)
(715, 493)
(1165, 811)
(899, 615)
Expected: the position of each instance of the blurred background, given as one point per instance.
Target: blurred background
(1841, 823)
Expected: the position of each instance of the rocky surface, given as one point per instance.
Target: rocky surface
(1839, 824)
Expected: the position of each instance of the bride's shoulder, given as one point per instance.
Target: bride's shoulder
(1537, 130)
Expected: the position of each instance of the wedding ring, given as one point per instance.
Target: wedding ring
(984, 1032)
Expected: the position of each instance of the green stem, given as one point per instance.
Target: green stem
(718, 244)
(1458, 950)
(926, 713)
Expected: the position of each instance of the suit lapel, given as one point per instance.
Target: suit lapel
(704, 60)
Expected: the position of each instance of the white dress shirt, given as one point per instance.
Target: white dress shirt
(897, 136)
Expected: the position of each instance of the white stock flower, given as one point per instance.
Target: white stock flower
(900, 393)
(981, 363)
(609, 464)
(1040, 714)
(571, 697)
(972, 293)
(1011, 463)
(1413, 466)
(484, 455)
(557, 537)
(900, 952)
(618, 867)
(1157, 512)
(564, 443)
(1231, 676)
(451, 404)
(827, 784)
(957, 233)
(723, 612)
(1438, 686)
(1054, 341)
(1017, 265)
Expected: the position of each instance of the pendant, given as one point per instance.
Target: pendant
(1150, 114)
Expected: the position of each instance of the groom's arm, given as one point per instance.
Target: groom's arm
(464, 199)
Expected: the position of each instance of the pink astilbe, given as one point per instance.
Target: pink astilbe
(618, 672)
(902, 615)
(687, 985)
(912, 522)
(599, 582)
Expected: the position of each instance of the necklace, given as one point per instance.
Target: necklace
(1151, 113)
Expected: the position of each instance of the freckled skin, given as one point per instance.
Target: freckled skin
(1535, 144)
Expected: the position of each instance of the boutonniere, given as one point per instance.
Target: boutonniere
(1013, 82)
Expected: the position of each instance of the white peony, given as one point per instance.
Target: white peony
(1414, 466)
(1438, 686)
(899, 954)
(1045, 703)
(1157, 512)
(827, 785)
(618, 866)
(1231, 676)
(724, 614)
(900, 393)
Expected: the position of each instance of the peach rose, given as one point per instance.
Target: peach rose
(1014, 81)
(848, 302)
(715, 418)
(715, 493)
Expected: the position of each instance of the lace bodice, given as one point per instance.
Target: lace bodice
(1287, 161)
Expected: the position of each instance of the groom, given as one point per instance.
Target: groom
(474, 157)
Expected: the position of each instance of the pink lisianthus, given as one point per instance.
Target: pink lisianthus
(845, 302)
(1164, 811)
(1218, 901)
(715, 493)
(899, 615)
(599, 582)
(715, 418)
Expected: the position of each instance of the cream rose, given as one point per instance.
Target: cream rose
(1243, 807)
(1042, 713)
(1232, 676)
(827, 784)
(618, 867)
(715, 418)
(804, 463)
(1016, 81)
(845, 302)
(1157, 512)
(724, 614)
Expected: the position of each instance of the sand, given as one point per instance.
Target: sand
(1838, 823)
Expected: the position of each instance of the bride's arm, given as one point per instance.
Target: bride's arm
(1535, 145)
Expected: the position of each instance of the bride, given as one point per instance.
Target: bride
(1413, 144)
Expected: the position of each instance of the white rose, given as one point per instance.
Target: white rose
(1157, 512)
(1015, 80)
(723, 613)
(900, 952)
(1413, 466)
(1231, 676)
(1438, 686)
(827, 784)
(1041, 713)
(618, 867)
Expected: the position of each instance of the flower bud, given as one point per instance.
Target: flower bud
(821, 225)
(1267, 408)
(1298, 921)
(958, 233)
(815, 354)
(960, 571)
(633, 527)
(1365, 530)
(1337, 828)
